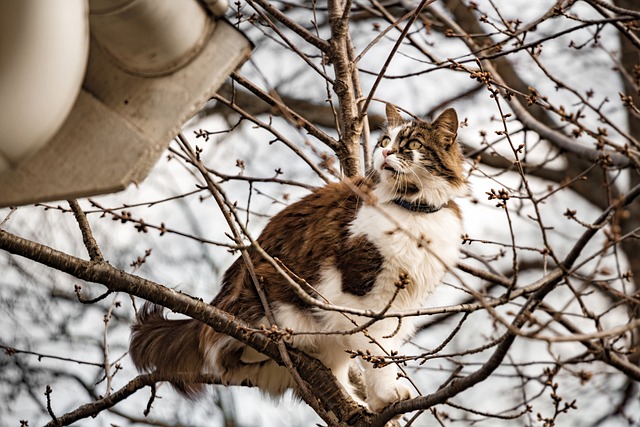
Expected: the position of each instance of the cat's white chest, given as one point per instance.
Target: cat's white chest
(424, 245)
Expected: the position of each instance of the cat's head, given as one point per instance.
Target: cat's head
(420, 161)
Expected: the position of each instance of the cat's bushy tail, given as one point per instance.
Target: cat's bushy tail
(170, 347)
(180, 350)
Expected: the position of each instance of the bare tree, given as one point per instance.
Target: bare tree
(538, 325)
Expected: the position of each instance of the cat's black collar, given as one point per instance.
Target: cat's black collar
(417, 207)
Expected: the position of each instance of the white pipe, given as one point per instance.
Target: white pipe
(150, 37)
(43, 56)
(217, 7)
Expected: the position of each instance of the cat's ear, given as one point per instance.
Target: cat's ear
(447, 126)
(393, 116)
(447, 121)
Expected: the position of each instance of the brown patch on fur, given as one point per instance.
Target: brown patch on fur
(359, 261)
(238, 296)
(170, 347)
(316, 233)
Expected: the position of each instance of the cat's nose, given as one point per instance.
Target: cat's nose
(385, 153)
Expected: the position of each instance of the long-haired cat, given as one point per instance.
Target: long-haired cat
(351, 241)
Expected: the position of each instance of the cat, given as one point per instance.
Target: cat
(352, 241)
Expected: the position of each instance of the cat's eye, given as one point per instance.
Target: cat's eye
(385, 141)
(414, 144)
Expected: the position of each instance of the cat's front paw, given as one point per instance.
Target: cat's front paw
(381, 397)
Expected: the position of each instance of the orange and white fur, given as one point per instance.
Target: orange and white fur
(351, 242)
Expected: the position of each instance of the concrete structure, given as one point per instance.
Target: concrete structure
(150, 66)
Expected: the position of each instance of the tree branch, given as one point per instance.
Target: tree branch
(343, 86)
(556, 138)
(311, 370)
(307, 35)
(87, 236)
(286, 112)
(550, 281)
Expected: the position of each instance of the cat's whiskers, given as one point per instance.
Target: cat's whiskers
(419, 183)
(396, 187)
(371, 173)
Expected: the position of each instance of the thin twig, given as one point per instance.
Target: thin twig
(87, 235)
